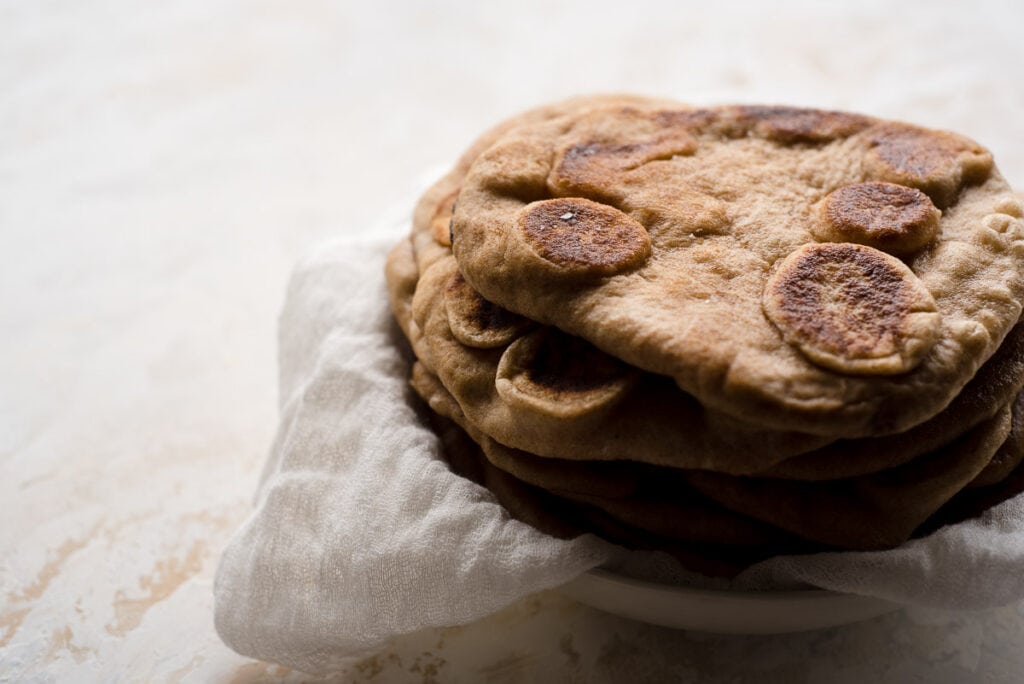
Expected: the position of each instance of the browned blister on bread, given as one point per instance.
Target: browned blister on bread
(852, 309)
(584, 238)
(890, 217)
(936, 162)
(476, 322)
(792, 125)
(552, 373)
(609, 143)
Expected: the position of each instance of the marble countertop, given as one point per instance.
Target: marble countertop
(162, 166)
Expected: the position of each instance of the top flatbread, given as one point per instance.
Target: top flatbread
(462, 337)
(814, 271)
(563, 400)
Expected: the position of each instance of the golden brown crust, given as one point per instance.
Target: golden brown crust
(614, 142)
(582, 237)
(560, 376)
(476, 322)
(893, 218)
(937, 162)
(793, 125)
(852, 308)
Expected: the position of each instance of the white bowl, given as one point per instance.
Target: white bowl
(722, 612)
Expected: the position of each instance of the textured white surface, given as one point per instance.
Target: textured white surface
(162, 165)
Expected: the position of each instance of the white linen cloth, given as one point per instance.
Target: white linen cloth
(360, 533)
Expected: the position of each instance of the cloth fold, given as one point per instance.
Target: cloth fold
(360, 532)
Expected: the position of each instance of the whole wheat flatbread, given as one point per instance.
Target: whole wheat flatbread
(699, 244)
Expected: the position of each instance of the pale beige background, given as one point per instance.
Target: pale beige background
(162, 165)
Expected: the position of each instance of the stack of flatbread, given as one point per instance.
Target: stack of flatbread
(725, 333)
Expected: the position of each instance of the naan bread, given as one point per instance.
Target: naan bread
(739, 251)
